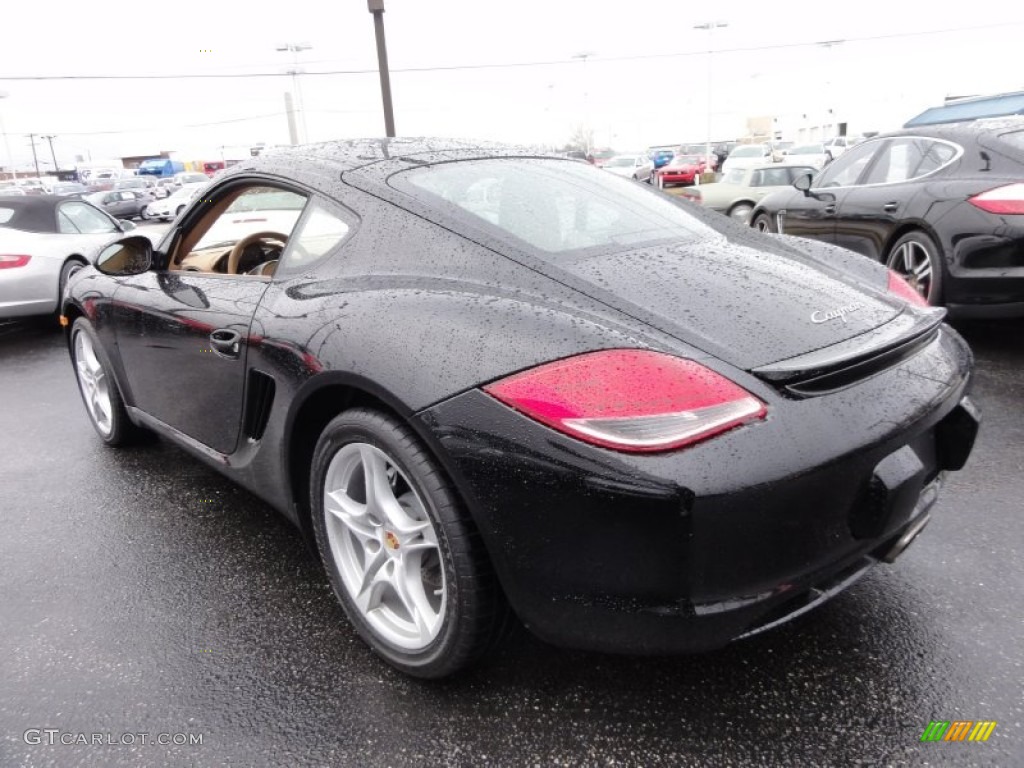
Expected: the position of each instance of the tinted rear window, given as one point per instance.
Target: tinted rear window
(552, 206)
(6, 214)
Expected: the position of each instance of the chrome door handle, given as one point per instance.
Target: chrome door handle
(891, 207)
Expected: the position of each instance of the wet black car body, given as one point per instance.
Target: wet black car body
(423, 304)
(954, 193)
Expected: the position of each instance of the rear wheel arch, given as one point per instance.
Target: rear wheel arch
(330, 395)
(905, 229)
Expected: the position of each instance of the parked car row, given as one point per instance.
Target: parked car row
(942, 206)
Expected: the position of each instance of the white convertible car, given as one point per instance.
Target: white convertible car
(44, 239)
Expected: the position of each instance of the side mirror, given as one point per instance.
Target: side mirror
(127, 226)
(129, 256)
(803, 182)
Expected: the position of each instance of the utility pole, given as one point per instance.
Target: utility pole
(32, 138)
(7, 144)
(376, 7)
(295, 71)
(50, 139)
(710, 27)
(289, 109)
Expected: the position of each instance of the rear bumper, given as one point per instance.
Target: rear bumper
(689, 550)
(31, 289)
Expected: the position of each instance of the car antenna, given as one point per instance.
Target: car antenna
(988, 161)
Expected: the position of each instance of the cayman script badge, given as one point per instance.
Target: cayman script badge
(839, 313)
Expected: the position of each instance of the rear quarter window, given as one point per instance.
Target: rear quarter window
(6, 214)
(550, 206)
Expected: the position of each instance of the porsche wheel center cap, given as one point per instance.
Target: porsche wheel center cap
(390, 540)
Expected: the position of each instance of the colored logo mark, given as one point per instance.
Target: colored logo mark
(958, 730)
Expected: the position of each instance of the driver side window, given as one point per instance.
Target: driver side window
(243, 231)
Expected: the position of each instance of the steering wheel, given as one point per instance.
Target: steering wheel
(236, 253)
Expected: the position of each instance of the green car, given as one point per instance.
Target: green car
(741, 188)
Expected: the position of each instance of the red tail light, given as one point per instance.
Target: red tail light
(903, 289)
(630, 399)
(1003, 200)
(10, 261)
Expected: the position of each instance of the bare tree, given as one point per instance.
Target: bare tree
(582, 138)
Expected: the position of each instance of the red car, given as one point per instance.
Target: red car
(681, 169)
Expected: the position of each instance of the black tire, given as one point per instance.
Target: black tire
(70, 267)
(917, 246)
(119, 430)
(474, 612)
(762, 223)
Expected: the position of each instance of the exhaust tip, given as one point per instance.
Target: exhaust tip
(906, 539)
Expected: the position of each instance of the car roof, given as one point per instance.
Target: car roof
(322, 165)
(33, 213)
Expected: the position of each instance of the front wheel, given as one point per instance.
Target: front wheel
(400, 551)
(915, 257)
(763, 223)
(99, 391)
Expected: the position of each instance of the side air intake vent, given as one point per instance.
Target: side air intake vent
(257, 405)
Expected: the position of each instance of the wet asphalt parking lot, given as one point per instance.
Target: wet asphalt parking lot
(141, 594)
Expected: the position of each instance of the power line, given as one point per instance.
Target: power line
(177, 127)
(511, 65)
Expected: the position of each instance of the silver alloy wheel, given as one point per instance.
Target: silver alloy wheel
(913, 263)
(385, 546)
(94, 383)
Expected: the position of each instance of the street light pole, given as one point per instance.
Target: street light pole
(376, 7)
(710, 26)
(586, 101)
(828, 45)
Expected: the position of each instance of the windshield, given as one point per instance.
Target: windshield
(734, 176)
(808, 149)
(753, 151)
(622, 161)
(686, 159)
(551, 206)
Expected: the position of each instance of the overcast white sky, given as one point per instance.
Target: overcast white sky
(645, 82)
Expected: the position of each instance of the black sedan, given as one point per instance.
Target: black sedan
(942, 205)
(487, 383)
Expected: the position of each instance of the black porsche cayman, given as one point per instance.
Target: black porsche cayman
(488, 383)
